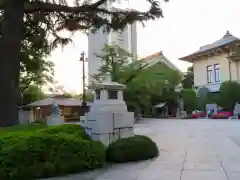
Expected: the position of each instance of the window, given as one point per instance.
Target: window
(209, 74)
(112, 94)
(217, 72)
(97, 94)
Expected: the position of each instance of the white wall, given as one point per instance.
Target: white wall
(200, 71)
(95, 44)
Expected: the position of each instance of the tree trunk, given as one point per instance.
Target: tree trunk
(10, 45)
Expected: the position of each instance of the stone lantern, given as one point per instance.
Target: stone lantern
(108, 118)
(108, 96)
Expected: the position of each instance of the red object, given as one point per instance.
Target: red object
(199, 115)
(226, 112)
(222, 115)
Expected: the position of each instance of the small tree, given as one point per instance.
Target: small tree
(145, 83)
(229, 95)
(189, 100)
(32, 93)
(188, 80)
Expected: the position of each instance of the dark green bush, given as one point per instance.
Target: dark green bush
(22, 128)
(66, 129)
(134, 148)
(41, 155)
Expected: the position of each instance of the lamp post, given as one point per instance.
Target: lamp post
(84, 103)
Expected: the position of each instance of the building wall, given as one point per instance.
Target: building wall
(126, 39)
(134, 39)
(200, 71)
(95, 44)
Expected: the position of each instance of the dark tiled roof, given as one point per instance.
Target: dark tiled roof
(228, 38)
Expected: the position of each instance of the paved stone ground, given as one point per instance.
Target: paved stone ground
(189, 150)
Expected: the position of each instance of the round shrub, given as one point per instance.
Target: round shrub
(134, 148)
(66, 129)
(42, 155)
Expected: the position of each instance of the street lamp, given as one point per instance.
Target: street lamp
(84, 103)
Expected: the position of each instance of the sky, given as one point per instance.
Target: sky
(187, 25)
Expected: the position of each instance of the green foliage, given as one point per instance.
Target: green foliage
(32, 93)
(35, 67)
(67, 129)
(150, 85)
(134, 148)
(21, 129)
(229, 94)
(142, 80)
(204, 96)
(114, 59)
(89, 96)
(47, 18)
(41, 155)
(36, 151)
(188, 80)
(85, 16)
(189, 100)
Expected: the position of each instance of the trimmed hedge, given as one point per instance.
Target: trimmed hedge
(11, 135)
(66, 129)
(41, 155)
(134, 148)
(23, 129)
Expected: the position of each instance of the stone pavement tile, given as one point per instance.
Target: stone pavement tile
(233, 175)
(160, 174)
(203, 175)
(116, 175)
(201, 157)
(231, 165)
(202, 161)
(161, 170)
(166, 164)
(127, 171)
(228, 158)
(80, 176)
(202, 165)
(171, 157)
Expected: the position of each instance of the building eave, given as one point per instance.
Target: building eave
(211, 52)
(223, 45)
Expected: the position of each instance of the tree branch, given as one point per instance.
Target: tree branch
(136, 73)
(32, 7)
(99, 3)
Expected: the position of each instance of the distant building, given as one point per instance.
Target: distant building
(71, 108)
(215, 63)
(160, 62)
(126, 39)
(159, 57)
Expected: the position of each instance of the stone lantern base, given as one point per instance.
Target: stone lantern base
(54, 120)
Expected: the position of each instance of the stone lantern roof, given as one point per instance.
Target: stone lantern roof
(109, 84)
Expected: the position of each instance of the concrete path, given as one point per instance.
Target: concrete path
(189, 150)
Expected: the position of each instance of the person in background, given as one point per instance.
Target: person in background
(208, 113)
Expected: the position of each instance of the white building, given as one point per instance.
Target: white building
(126, 39)
(215, 63)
